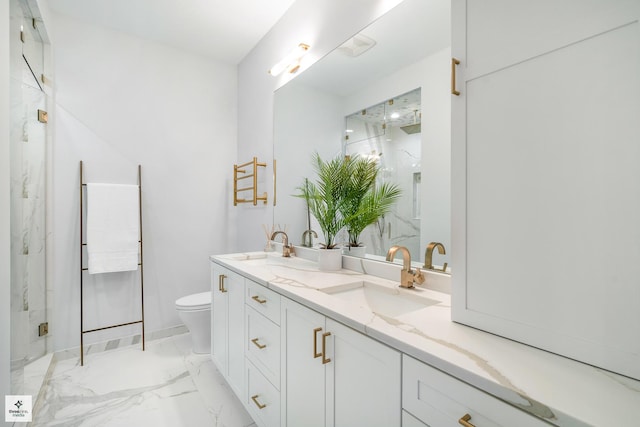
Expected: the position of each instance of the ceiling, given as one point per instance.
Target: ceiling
(225, 30)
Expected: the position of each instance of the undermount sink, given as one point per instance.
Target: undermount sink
(380, 299)
(248, 256)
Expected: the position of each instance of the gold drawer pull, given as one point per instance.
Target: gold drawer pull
(325, 359)
(464, 421)
(315, 343)
(454, 62)
(221, 283)
(257, 299)
(257, 344)
(258, 404)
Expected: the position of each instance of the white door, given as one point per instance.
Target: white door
(363, 380)
(303, 386)
(545, 159)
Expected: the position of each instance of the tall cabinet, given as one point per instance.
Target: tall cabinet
(545, 175)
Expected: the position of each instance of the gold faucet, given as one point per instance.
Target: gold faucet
(306, 236)
(287, 249)
(407, 276)
(428, 256)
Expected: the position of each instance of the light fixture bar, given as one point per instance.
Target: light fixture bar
(290, 62)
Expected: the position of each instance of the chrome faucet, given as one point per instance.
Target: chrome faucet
(428, 256)
(287, 249)
(306, 237)
(407, 276)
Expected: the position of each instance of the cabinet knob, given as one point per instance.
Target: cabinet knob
(465, 421)
(258, 404)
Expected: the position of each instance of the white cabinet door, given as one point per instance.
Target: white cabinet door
(545, 175)
(354, 382)
(227, 325)
(363, 380)
(219, 319)
(303, 387)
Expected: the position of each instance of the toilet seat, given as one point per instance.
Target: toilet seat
(194, 302)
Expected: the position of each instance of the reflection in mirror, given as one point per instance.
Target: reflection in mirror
(389, 133)
(410, 48)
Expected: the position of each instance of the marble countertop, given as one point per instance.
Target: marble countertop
(557, 389)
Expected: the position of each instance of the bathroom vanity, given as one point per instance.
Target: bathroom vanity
(350, 348)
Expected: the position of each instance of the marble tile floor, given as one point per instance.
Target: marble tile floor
(166, 385)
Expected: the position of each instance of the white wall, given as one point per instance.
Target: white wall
(5, 233)
(324, 25)
(121, 101)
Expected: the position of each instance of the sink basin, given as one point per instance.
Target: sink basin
(380, 299)
(248, 256)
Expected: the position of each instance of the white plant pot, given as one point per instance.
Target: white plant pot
(358, 251)
(330, 259)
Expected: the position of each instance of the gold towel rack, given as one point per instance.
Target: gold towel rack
(242, 172)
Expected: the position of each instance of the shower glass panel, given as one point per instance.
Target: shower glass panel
(28, 184)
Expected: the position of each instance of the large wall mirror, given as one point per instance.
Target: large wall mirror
(400, 65)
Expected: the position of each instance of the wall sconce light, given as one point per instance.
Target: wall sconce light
(291, 62)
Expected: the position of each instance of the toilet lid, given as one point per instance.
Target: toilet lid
(195, 301)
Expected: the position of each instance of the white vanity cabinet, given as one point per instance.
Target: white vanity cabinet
(334, 376)
(545, 200)
(227, 320)
(262, 351)
(439, 400)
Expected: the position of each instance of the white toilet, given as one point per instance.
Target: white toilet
(195, 311)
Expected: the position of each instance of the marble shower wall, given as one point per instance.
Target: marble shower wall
(400, 163)
(28, 185)
(28, 290)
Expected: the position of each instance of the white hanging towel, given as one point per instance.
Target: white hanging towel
(113, 227)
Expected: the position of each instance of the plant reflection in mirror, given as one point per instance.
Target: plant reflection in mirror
(345, 194)
(365, 200)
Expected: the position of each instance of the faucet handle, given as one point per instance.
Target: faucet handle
(288, 250)
(418, 277)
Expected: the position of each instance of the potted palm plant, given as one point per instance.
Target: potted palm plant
(365, 201)
(324, 198)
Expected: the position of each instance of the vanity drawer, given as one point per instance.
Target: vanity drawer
(438, 399)
(263, 399)
(263, 300)
(262, 344)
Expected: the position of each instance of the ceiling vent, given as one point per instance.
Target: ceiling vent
(357, 45)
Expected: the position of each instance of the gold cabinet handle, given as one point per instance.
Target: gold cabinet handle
(315, 343)
(257, 299)
(257, 344)
(325, 359)
(221, 283)
(465, 421)
(258, 404)
(454, 62)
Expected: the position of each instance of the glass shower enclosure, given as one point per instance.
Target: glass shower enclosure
(28, 138)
